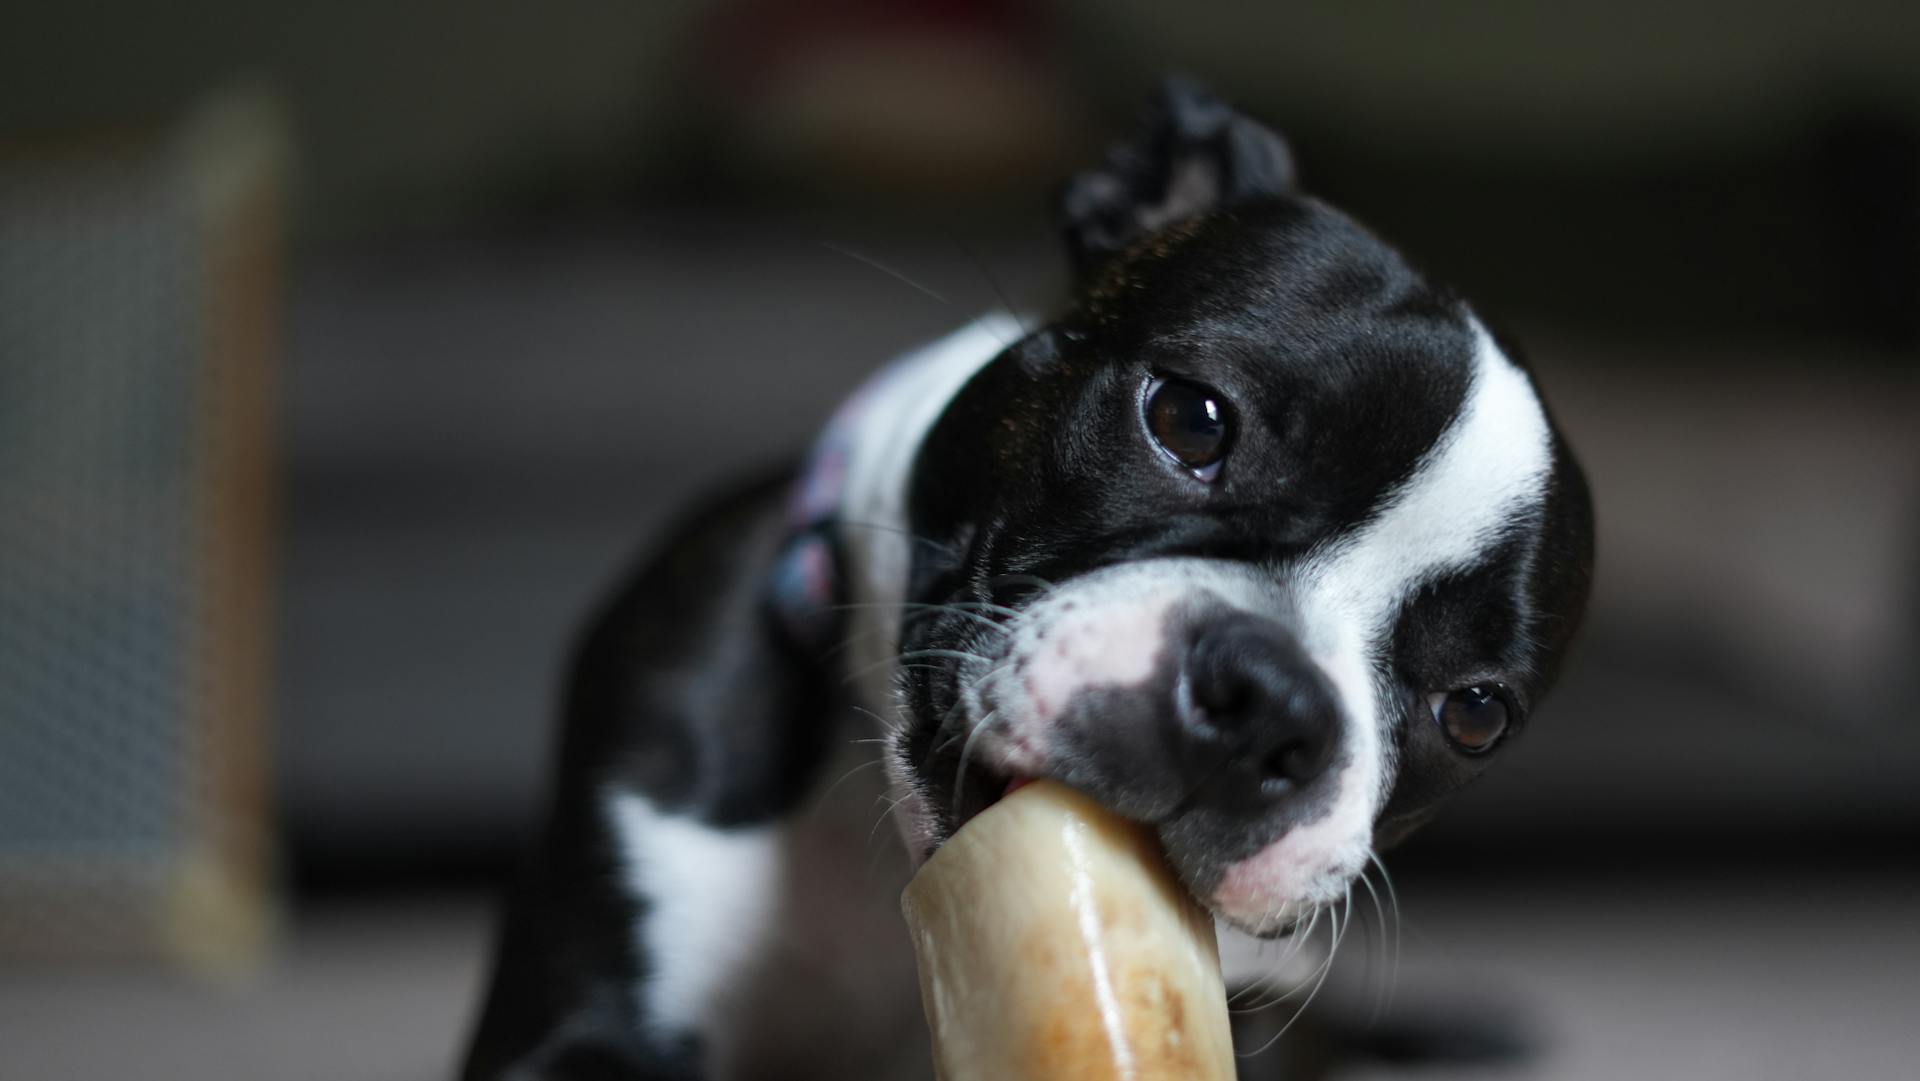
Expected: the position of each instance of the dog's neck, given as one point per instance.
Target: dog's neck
(849, 515)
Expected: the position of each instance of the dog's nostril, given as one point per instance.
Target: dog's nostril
(1291, 761)
(1224, 699)
(1224, 684)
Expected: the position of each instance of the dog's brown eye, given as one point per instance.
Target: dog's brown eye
(1474, 718)
(1190, 423)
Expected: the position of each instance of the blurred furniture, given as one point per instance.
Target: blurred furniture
(139, 288)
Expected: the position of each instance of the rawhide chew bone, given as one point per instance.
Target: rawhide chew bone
(1055, 945)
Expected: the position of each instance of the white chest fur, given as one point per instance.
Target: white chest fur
(779, 945)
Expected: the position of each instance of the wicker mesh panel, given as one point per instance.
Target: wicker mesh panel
(114, 808)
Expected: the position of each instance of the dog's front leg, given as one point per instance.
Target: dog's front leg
(694, 736)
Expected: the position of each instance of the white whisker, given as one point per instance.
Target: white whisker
(922, 610)
(912, 654)
(857, 767)
(1276, 985)
(882, 268)
(966, 749)
(959, 701)
(989, 606)
(892, 806)
(1326, 969)
(1393, 905)
(884, 527)
(1380, 916)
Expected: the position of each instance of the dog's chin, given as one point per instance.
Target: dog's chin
(1282, 921)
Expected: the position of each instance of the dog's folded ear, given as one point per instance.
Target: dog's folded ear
(1191, 153)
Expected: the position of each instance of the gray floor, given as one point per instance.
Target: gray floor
(1750, 979)
(1756, 979)
(373, 993)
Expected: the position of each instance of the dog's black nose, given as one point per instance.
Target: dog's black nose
(1257, 718)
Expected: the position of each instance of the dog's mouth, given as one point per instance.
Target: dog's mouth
(982, 788)
(977, 789)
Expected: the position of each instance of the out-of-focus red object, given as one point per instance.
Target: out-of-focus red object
(923, 95)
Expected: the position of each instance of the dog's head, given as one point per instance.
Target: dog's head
(1267, 542)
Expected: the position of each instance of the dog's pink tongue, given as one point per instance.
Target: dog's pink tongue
(1016, 785)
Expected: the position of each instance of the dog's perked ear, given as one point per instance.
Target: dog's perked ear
(1191, 153)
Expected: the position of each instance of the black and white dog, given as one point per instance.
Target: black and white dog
(1266, 541)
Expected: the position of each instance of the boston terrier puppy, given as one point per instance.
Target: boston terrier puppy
(1266, 542)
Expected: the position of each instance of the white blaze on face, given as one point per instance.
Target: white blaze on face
(1489, 468)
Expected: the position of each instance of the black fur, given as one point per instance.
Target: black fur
(1192, 153)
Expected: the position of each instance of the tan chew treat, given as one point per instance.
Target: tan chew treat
(1056, 945)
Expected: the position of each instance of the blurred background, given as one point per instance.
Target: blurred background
(348, 350)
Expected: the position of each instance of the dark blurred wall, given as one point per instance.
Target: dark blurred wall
(1511, 78)
(443, 111)
(536, 260)
(403, 111)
